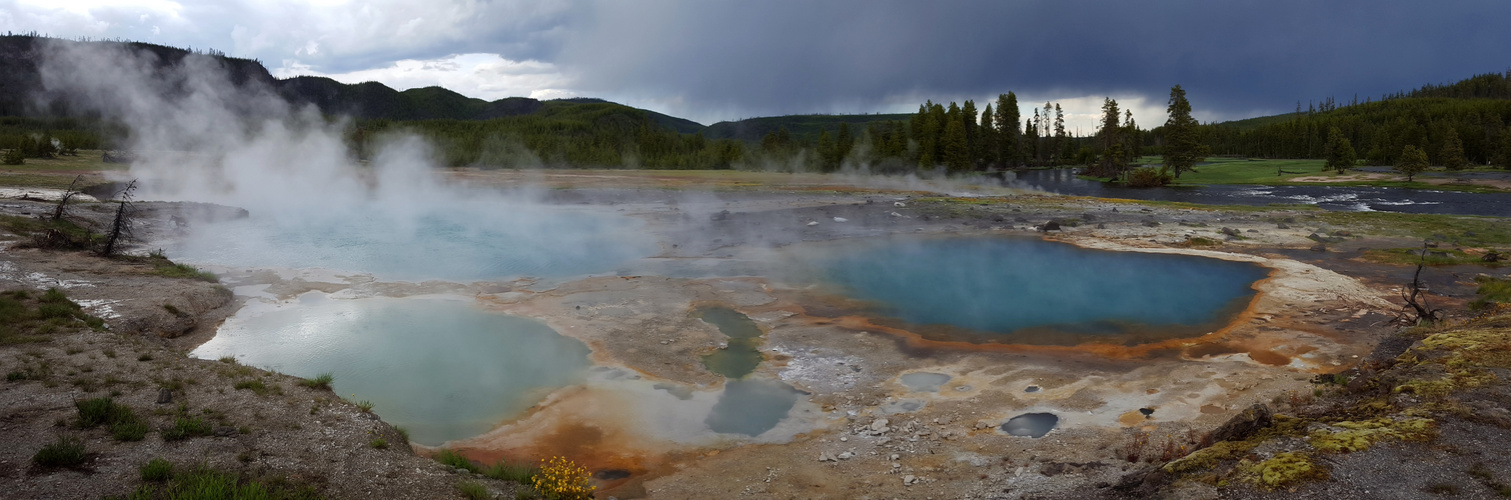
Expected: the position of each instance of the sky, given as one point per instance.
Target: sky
(715, 60)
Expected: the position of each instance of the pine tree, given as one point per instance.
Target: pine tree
(1113, 160)
(1183, 150)
(1008, 149)
(1453, 151)
(1339, 152)
(1503, 155)
(952, 146)
(827, 152)
(986, 147)
(1413, 161)
(972, 135)
(1062, 143)
(843, 142)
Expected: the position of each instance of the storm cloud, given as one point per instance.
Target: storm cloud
(712, 61)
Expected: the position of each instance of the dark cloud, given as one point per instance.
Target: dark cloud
(727, 59)
(787, 56)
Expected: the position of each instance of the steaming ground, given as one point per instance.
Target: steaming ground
(722, 246)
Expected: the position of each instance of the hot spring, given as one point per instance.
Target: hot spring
(442, 369)
(1026, 290)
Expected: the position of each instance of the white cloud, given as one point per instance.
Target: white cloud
(485, 76)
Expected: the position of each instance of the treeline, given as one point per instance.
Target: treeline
(1460, 124)
(23, 138)
(560, 134)
(957, 137)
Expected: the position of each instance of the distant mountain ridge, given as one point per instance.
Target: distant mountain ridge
(21, 82)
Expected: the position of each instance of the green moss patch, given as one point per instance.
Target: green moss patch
(1283, 469)
(1352, 436)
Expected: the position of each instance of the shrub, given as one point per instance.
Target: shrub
(157, 469)
(65, 452)
(562, 479)
(321, 381)
(1149, 177)
(379, 443)
(131, 430)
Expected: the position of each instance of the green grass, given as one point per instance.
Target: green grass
(26, 318)
(1491, 291)
(204, 483)
(124, 424)
(378, 443)
(506, 471)
(321, 381)
(161, 266)
(454, 459)
(1435, 257)
(65, 452)
(185, 427)
(157, 470)
(472, 491)
(1280, 172)
(1464, 230)
(257, 386)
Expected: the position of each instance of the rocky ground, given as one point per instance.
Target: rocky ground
(859, 433)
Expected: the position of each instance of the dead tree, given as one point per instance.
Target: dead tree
(57, 213)
(1416, 309)
(120, 228)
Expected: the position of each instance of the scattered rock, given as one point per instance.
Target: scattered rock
(841, 219)
(826, 457)
(1492, 257)
(164, 396)
(880, 425)
(1151, 223)
(1050, 226)
(899, 204)
(1282, 226)
(1319, 247)
(846, 455)
(909, 479)
(813, 223)
(1243, 425)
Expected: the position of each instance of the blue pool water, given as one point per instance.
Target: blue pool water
(442, 369)
(1004, 285)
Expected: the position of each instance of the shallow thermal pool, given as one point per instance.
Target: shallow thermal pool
(1030, 290)
(478, 241)
(442, 369)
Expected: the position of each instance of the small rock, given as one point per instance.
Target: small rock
(846, 455)
(843, 439)
(826, 457)
(1101, 225)
(879, 425)
(1050, 226)
(164, 396)
(899, 204)
(225, 431)
(813, 223)
(1282, 226)
(841, 219)
(1151, 223)
(1319, 247)
(909, 479)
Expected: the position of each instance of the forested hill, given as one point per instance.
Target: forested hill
(1463, 123)
(801, 126)
(21, 83)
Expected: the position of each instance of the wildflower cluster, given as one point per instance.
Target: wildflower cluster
(561, 479)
